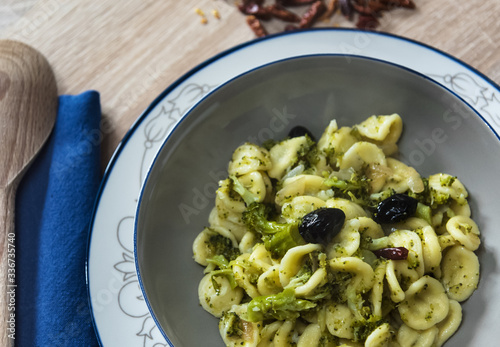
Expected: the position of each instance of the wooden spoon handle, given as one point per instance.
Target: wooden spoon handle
(28, 109)
(8, 287)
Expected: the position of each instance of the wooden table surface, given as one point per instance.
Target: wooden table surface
(131, 50)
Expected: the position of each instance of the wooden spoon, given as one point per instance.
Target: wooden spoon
(28, 110)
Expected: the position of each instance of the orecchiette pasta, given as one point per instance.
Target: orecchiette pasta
(302, 250)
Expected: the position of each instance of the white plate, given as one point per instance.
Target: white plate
(120, 314)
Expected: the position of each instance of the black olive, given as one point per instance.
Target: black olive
(321, 225)
(396, 208)
(299, 131)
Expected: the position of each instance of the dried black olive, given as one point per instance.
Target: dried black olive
(396, 208)
(321, 225)
(300, 131)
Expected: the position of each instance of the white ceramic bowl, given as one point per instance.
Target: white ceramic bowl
(441, 134)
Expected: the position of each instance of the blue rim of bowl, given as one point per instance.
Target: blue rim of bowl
(224, 84)
(206, 63)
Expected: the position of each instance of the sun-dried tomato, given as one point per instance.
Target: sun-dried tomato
(313, 13)
(282, 13)
(256, 25)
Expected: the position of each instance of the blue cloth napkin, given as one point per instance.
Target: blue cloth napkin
(53, 209)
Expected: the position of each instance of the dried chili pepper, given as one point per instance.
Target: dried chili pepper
(254, 9)
(282, 13)
(256, 25)
(346, 8)
(258, 2)
(367, 22)
(393, 253)
(331, 8)
(294, 2)
(365, 13)
(313, 13)
(398, 3)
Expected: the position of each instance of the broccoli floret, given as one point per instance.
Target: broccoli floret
(432, 197)
(233, 322)
(279, 306)
(364, 327)
(356, 188)
(278, 237)
(221, 245)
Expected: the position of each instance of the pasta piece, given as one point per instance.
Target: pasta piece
(336, 142)
(244, 272)
(269, 282)
(460, 272)
(378, 175)
(351, 209)
(377, 292)
(361, 154)
(248, 158)
(446, 240)
(339, 320)
(411, 241)
(258, 184)
(300, 185)
(450, 324)
(412, 223)
(285, 154)
(267, 334)
(369, 228)
(230, 207)
(347, 241)
(292, 261)
(238, 230)
(363, 278)
(299, 206)
(283, 336)
(462, 209)
(465, 231)
(425, 304)
(403, 178)
(408, 337)
(398, 273)
(201, 250)
(349, 343)
(234, 320)
(310, 337)
(216, 295)
(247, 242)
(260, 258)
(448, 187)
(380, 337)
(431, 249)
(328, 133)
(385, 131)
(318, 278)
